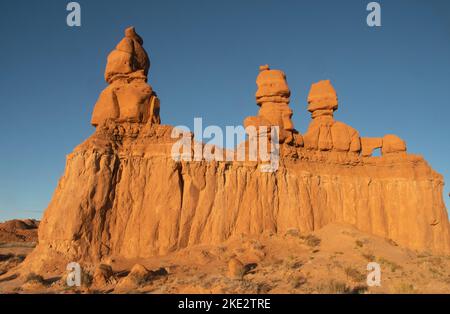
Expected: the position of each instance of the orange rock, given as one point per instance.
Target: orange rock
(128, 97)
(389, 144)
(368, 144)
(272, 86)
(322, 96)
(236, 269)
(324, 133)
(273, 96)
(123, 195)
(129, 56)
(392, 144)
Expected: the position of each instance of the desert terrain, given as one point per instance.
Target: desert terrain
(331, 260)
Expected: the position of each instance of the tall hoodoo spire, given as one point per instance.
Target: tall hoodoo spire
(322, 99)
(273, 97)
(128, 96)
(325, 133)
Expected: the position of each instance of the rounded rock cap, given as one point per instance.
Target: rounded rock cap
(322, 95)
(271, 83)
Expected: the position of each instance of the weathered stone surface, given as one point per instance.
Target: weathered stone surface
(369, 144)
(389, 144)
(128, 97)
(273, 97)
(322, 96)
(124, 196)
(325, 133)
(128, 57)
(19, 230)
(236, 269)
(392, 144)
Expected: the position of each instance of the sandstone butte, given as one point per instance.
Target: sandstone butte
(123, 195)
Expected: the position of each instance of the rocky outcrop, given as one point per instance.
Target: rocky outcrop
(19, 231)
(123, 195)
(273, 97)
(128, 97)
(325, 133)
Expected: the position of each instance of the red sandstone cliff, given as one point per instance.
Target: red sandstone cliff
(123, 195)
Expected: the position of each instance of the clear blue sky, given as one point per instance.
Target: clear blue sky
(205, 57)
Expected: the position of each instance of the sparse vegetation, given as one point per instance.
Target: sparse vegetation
(359, 243)
(289, 266)
(293, 232)
(333, 286)
(339, 287)
(263, 288)
(312, 241)
(86, 279)
(391, 242)
(436, 261)
(296, 265)
(369, 257)
(435, 272)
(393, 266)
(404, 288)
(298, 281)
(32, 277)
(354, 274)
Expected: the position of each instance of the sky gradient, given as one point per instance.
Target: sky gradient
(205, 57)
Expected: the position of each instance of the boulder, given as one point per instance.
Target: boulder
(236, 269)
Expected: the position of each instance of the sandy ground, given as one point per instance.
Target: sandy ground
(331, 260)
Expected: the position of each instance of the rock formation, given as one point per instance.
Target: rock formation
(128, 96)
(273, 97)
(124, 196)
(389, 144)
(19, 230)
(325, 133)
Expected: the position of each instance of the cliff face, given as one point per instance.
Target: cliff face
(124, 196)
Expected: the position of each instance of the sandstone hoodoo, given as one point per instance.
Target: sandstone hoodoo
(324, 133)
(273, 97)
(128, 97)
(123, 196)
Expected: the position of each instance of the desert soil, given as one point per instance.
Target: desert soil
(331, 260)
